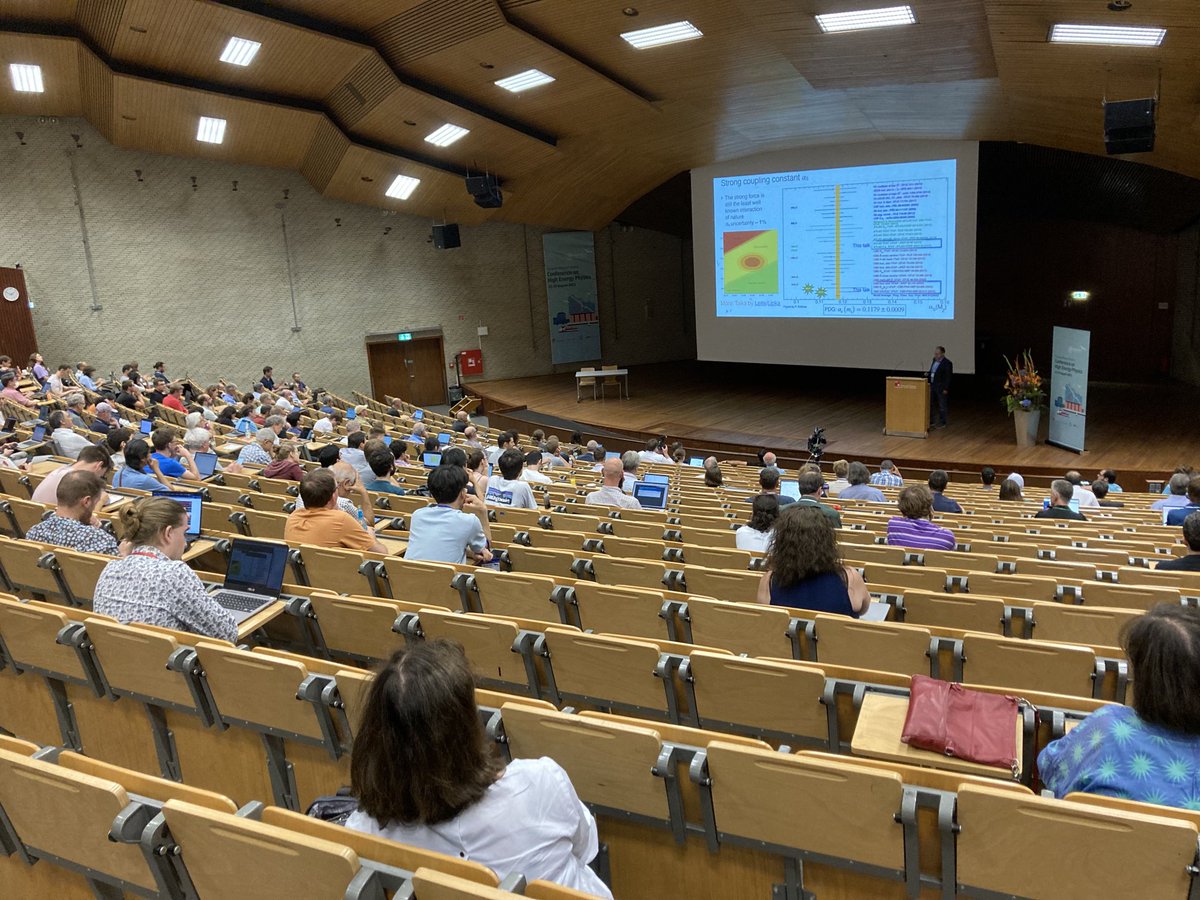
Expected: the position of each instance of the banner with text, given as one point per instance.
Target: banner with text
(1069, 387)
(571, 296)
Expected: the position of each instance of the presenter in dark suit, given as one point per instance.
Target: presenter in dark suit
(940, 371)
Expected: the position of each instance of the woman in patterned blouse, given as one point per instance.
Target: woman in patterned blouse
(1150, 752)
(152, 584)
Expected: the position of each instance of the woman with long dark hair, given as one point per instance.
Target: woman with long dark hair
(424, 775)
(804, 569)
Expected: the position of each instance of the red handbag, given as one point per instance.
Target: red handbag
(947, 718)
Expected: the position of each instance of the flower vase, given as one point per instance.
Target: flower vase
(1027, 422)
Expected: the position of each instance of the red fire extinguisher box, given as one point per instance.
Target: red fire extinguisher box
(471, 362)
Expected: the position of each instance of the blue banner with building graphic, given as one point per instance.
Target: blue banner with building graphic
(570, 258)
(1069, 387)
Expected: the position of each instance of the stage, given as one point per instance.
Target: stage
(1131, 428)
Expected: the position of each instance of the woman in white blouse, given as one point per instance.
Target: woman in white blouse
(423, 775)
(756, 534)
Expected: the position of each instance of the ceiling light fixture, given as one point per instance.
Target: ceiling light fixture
(862, 19)
(1110, 35)
(672, 33)
(446, 135)
(239, 51)
(27, 79)
(523, 81)
(402, 187)
(211, 131)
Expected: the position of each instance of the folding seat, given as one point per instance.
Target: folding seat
(609, 609)
(885, 646)
(958, 559)
(414, 581)
(514, 594)
(61, 815)
(710, 537)
(335, 569)
(78, 573)
(745, 628)
(1061, 572)
(1187, 582)
(279, 486)
(23, 514)
(734, 586)
(1038, 665)
(1069, 850)
(861, 554)
(925, 578)
(1131, 596)
(542, 562)
(1086, 624)
(260, 524)
(1018, 586)
(588, 524)
(717, 557)
(355, 628)
(499, 648)
(549, 538)
(628, 528)
(630, 572)
(15, 483)
(629, 548)
(967, 612)
(27, 570)
(1104, 558)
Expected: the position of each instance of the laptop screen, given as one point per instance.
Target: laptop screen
(656, 479)
(193, 502)
(651, 496)
(418, 414)
(10, 423)
(206, 463)
(387, 440)
(432, 460)
(146, 426)
(445, 438)
(256, 567)
(790, 489)
(39, 433)
(611, 454)
(697, 461)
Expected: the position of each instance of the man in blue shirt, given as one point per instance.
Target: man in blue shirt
(446, 532)
(859, 489)
(174, 460)
(938, 479)
(1179, 514)
(382, 463)
(887, 476)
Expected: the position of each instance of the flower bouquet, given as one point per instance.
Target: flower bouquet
(1023, 386)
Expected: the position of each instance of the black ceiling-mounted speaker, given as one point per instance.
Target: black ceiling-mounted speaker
(486, 191)
(1129, 126)
(445, 237)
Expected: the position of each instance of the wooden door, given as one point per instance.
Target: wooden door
(16, 321)
(411, 370)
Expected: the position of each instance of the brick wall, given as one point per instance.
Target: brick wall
(199, 277)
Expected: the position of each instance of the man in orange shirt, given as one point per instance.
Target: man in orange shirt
(321, 523)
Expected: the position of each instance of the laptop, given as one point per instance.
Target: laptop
(650, 495)
(656, 479)
(612, 454)
(697, 461)
(193, 502)
(789, 489)
(445, 438)
(38, 437)
(418, 414)
(253, 578)
(206, 463)
(146, 426)
(387, 439)
(431, 460)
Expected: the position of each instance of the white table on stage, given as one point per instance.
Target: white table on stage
(602, 373)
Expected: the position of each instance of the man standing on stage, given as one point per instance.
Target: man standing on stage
(940, 371)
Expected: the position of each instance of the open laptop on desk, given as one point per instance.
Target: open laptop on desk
(253, 578)
(206, 463)
(36, 439)
(650, 495)
(193, 502)
(651, 478)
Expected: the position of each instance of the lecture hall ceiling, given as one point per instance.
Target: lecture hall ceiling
(346, 92)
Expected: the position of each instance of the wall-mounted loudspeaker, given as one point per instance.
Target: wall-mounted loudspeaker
(1129, 126)
(486, 191)
(445, 237)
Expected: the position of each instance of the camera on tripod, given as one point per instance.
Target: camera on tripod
(816, 444)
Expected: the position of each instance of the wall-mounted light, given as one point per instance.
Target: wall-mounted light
(1081, 296)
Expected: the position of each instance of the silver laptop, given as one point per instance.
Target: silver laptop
(253, 578)
(37, 438)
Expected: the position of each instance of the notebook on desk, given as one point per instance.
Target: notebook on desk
(253, 577)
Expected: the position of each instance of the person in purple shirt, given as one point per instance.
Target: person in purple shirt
(913, 528)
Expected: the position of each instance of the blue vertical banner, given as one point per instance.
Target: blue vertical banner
(1069, 387)
(570, 258)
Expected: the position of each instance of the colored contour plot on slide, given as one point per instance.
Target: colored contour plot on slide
(751, 262)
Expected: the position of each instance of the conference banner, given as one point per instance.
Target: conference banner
(570, 258)
(1069, 387)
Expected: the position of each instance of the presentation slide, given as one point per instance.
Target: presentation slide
(859, 256)
(867, 241)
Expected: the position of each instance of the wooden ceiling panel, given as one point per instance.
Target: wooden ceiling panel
(164, 119)
(59, 59)
(958, 110)
(186, 38)
(439, 196)
(362, 15)
(38, 10)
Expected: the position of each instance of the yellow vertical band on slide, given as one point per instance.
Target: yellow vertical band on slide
(837, 241)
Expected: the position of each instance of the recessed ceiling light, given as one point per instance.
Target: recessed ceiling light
(523, 81)
(211, 131)
(27, 78)
(446, 135)
(1114, 35)
(403, 187)
(662, 34)
(239, 51)
(858, 20)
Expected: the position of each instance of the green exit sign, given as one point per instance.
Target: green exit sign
(404, 336)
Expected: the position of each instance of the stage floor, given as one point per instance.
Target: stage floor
(1149, 428)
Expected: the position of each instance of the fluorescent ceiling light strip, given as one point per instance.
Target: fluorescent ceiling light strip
(402, 187)
(27, 79)
(446, 135)
(857, 20)
(523, 81)
(662, 34)
(239, 51)
(211, 131)
(1116, 35)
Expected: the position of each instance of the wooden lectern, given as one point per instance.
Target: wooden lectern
(907, 406)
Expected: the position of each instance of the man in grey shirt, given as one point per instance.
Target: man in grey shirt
(445, 533)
